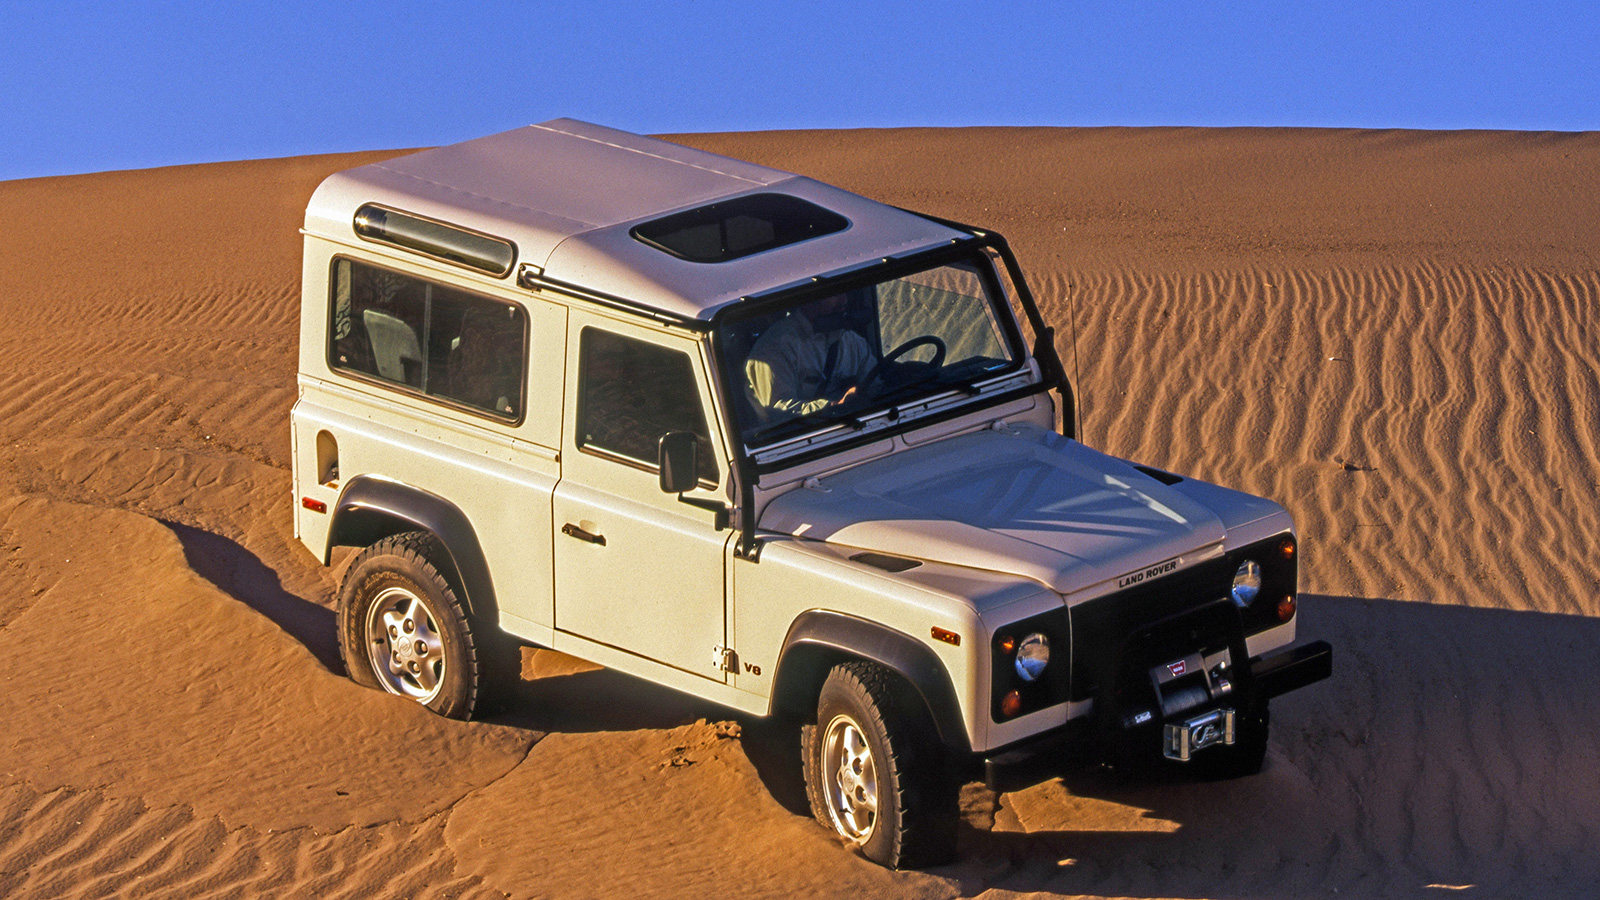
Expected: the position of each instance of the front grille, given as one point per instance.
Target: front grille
(1102, 628)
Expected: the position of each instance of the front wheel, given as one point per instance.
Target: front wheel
(875, 773)
(402, 628)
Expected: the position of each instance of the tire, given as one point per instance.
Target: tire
(499, 668)
(403, 630)
(875, 772)
(1247, 755)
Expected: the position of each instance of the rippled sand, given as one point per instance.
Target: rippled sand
(1392, 333)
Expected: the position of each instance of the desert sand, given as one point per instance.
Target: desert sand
(1392, 333)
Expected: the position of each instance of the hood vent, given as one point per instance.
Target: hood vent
(1157, 474)
(886, 562)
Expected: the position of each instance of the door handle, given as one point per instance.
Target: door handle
(580, 534)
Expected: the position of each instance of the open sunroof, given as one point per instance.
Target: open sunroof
(730, 229)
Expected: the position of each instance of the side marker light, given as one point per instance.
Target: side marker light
(316, 506)
(1011, 704)
(948, 637)
(1286, 609)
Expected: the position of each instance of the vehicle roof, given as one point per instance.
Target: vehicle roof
(567, 193)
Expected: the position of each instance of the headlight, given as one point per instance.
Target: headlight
(1246, 583)
(1033, 654)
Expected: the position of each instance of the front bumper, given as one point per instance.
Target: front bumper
(1047, 754)
(1292, 669)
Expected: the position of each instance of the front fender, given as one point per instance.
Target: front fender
(819, 639)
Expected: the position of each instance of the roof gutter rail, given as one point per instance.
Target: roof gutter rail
(532, 278)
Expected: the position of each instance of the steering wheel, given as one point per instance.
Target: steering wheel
(894, 355)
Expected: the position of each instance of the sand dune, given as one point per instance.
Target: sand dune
(1393, 333)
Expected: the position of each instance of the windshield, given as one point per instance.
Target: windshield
(834, 356)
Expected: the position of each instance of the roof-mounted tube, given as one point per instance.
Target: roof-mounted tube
(450, 243)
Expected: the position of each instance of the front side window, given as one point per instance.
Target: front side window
(427, 338)
(840, 354)
(630, 393)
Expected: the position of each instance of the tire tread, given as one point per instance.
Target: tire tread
(915, 768)
(416, 550)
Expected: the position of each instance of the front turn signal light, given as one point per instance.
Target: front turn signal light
(1286, 608)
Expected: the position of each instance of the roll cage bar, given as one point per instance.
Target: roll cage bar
(747, 472)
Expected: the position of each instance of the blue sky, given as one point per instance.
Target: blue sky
(94, 86)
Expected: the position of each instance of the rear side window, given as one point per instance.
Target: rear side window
(630, 393)
(422, 337)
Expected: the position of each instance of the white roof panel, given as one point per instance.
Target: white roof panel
(567, 193)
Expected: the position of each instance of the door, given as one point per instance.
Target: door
(636, 569)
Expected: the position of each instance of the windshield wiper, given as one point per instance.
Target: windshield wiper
(793, 427)
(838, 415)
(852, 416)
(967, 386)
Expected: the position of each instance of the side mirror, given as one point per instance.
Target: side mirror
(680, 462)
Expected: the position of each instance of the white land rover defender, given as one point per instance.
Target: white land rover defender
(770, 443)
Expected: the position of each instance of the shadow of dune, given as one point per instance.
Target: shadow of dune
(243, 576)
(1452, 754)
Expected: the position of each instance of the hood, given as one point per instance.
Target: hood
(1018, 499)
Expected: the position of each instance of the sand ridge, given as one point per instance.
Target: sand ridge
(1390, 332)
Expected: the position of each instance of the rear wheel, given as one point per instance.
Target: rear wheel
(875, 773)
(402, 628)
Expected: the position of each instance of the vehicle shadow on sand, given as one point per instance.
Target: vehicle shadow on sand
(1452, 754)
(243, 576)
(596, 700)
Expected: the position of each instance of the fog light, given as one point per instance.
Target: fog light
(1011, 704)
(1246, 583)
(1033, 654)
(1286, 609)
